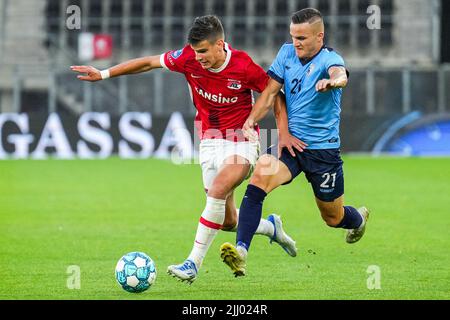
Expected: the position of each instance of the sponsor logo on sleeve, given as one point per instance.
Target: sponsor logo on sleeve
(176, 54)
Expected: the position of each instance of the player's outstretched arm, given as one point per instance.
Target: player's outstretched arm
(280, 112)
(285, 139)
(89, 73)
(338, 79)
(263, 104)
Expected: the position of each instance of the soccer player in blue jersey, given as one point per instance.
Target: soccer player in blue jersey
(313, 77)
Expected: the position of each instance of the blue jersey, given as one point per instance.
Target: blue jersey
(313, 116)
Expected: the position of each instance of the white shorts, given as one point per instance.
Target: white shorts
(213, 153)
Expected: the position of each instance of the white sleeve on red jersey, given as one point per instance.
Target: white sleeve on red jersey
(174, 60)
(257, 78)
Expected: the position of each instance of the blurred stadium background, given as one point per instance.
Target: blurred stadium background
(398, 93)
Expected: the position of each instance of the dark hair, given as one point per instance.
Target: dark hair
(205, 28)
(309, 15)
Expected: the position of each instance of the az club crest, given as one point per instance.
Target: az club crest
(233, 84)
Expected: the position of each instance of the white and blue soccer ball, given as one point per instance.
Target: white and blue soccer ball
(135, 272)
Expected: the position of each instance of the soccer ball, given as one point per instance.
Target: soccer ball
(135, 272)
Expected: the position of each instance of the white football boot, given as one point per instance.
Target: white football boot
(354, 235)
(187, 271)
(281, 237)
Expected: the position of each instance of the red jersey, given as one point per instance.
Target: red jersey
(223, 97)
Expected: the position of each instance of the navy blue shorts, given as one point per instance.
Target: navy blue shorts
(322, 168)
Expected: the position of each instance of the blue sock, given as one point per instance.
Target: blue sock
(352, 219)
(250, 213)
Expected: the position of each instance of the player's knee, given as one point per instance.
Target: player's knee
(265, 173)
(260, 179)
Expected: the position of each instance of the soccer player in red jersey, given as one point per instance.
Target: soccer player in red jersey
(220, 81)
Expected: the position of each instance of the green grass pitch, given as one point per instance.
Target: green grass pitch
(54, 214)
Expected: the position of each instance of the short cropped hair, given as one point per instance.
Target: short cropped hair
(205, 28)
(308, 15)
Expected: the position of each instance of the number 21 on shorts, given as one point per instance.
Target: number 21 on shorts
(328, 178)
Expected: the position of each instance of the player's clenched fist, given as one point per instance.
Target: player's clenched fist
(89, 73)
(325, 84)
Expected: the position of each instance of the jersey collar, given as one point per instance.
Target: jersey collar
(307, 60)
(227, 60)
